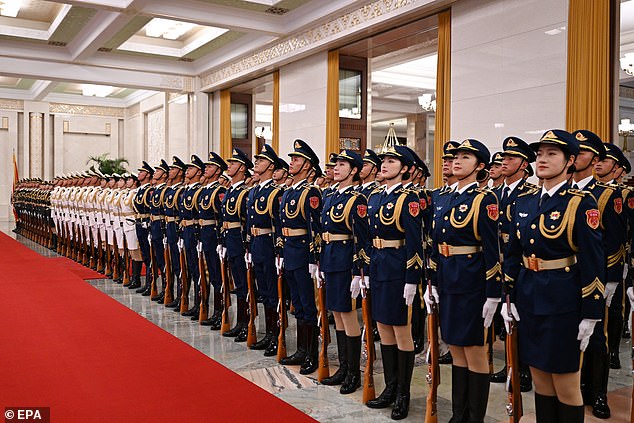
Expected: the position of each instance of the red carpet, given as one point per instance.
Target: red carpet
(79, 270)
(67, 346)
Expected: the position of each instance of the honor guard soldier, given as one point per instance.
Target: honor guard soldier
(612, 225)
(264, 231)
(367, 175)
(234, 213)
(209, 210)
(396, 264)
(128, 213)
(300, 211)
(496, 178)
(329, 184)
(344, 254)
(280, 174)
(516, 158)
(553, 277)
(171, 205)
(467, 281)
(141, 204)
(157, 222)
(190, 230)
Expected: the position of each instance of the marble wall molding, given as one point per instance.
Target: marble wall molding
(77, 109)
(8, 104)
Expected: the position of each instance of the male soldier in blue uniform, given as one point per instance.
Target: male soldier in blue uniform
(516, 157)
(189, 227)
(300, 211)
(209, 205)
(280, 174)
(371, 166)
(496, 178)
(329, 184)
(234, 213)
(173, 192)
(157, 221)
(613, 228)
(264, 231)
(141, 204)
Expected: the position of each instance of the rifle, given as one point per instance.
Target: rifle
(433, 370)
(490, 340)
(92, 261)
(323, 371)
(85, 255)
(226, 296)
(154, 265)
(116, 272)
(99, 252)
(169, 275)
(126, 261)
(253, 305)
(282, 320)
(514, 406)
(368, 336)
(108, 271)
(184, 282)
(76, 243)
(204, 289)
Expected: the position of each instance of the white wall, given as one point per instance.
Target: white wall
(506, 70)
(8, 144)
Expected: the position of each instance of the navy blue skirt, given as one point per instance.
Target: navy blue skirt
(549, 343)
(388, 304)
(461, 322)
(338, 292)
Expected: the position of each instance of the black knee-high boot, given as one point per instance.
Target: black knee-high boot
(353, 378)
(478, 396)
(389, 354)
(405, 369)
(546, 408)
(615, 329)
(342, 353)
(459, 394)
(300, 355)
(570, 413)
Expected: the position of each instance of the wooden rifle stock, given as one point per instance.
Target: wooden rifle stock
(203, 314)
(433, 372)
(226, 296)
(491, 339)
(154, 265)
(76, 243)
(282, 321)
(108, 257)
(323, 371)
(514, 407)
(92, 260)
(253, 306)
(368, 375)
(85, 253)
(126, 261)
(116, 273)
(99, 253)
(169, 275)
(184, 281)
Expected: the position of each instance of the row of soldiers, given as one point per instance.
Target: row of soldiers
(212, 224)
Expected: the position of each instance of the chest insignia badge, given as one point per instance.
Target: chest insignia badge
(555, 215)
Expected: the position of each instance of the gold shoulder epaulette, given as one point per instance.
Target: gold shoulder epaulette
(531, 191)
(577, 192)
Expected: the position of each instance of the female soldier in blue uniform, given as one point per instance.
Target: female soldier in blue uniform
(344, 253)
(468, 279)
(396, 262)
(554, 272)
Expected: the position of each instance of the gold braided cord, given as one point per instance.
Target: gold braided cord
(194, 200)
(602, 202)
(567, 218)
(396, 217)
(473, 215)
(300, 206)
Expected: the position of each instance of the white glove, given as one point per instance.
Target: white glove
(488, 310)
(365, 282)
(247, 258)
(509, 316)
(199, 247)
(586, 327)
(409, 292)
(181, 244)
(630, 295)
(429, 295)
(222, 251)
(608, 292)
(149, 238)
(279, 264)
(355, 286)
(165, 241)
(313, 270)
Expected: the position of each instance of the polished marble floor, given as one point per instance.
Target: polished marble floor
(324, 403)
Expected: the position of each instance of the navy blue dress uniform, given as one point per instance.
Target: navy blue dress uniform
(264, 233)
(554, 268)
(171, 202)
(190, 233)
(157, 223)
(300, 211)
(345, 242)
(209, 211)
(466, 257)
(234, 237)
(141, 204)
(396, 255)
(370, 157)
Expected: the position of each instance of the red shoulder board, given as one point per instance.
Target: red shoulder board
(592, 218)
(423, 203)
(414, 208)
(314, 202)
(618, 205)
(362, 210)
(630, 203)
(492, 211)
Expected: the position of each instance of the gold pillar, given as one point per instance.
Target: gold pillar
(225, 124)
(332, 104)
(443, 92)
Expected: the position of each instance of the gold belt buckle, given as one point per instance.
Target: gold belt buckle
(285, 231)
(444, 250)
(533, 264)
(255, 231)
(325, 236)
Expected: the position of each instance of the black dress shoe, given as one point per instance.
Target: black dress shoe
(615, 361)
(419, 346)
(207, 322)
(161, 300)
(157, 297)
(134, 285)
(375, 335)
(191, 312)
(263, 343)
(309, 365)
(242, 336)
(600, 407)
(195, 317)
(445, 358)
(526, 381)
(271, 350)
(499, 377)
(140, 290)
(295, 359)
(146, 293)
(174, 304)
(401, 407)
(626, 332)
(235, 331)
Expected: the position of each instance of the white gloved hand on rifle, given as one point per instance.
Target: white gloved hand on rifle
(608, 292)
(279, 264)
(428, 296)
(509, 315)
(222, 252)
(355, 286)
(488, 310)
(247, 258)
(586, 327)
(409, 291)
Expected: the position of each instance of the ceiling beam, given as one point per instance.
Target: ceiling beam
(41, 89)
(102, 27)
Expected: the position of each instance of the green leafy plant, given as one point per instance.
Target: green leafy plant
(108, 166)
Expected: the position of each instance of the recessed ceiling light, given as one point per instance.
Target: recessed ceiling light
(10, 7)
